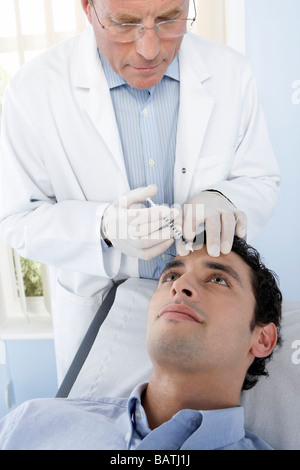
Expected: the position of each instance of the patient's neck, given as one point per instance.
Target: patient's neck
(168, 394)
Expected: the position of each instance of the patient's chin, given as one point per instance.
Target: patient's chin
(178, 355)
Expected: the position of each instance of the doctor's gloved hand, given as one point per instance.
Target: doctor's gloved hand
(221, 218)
(136, 230)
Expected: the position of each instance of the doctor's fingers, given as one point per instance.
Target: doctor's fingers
(213, 235)
(147, 221)
(212, 225)
(220, 230)
(136, 196)
(140, 241)
(188, 228)
(228, 223)
(232, 223)
(241, 224)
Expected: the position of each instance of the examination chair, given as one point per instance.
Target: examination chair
(117, 361)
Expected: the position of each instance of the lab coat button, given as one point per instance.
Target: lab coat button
(183, 171)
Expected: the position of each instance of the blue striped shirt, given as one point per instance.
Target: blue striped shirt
(147, 122)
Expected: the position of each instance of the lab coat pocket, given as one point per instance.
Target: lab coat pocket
(73, 316)
(210, 170)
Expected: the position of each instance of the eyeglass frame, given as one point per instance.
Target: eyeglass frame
(143, 28)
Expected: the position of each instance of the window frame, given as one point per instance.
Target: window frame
(22, 317)
(22, 43)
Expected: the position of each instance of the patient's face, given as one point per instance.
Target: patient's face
(200, 314)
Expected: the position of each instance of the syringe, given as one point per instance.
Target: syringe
(177, 232)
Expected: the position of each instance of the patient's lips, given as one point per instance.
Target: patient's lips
(180, 312)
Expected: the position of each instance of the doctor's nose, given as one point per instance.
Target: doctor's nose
(148, 45)
(185, 287)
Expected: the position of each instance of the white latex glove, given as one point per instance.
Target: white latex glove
(137, 230)
(221, 218)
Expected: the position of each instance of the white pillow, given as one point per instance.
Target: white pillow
(272, 407)
(118, 361)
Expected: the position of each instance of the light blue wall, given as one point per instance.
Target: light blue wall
(273, 48)
(31, 370)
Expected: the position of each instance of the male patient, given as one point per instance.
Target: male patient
(213, 324)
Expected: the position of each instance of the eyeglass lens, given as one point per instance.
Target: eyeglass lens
(132, 32)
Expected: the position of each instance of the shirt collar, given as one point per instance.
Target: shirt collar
(136, 397)
(217, 428)
(114, 80)
(138, 424)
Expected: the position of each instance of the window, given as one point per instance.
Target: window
(23, 316)
(223, 21)
(27, 28)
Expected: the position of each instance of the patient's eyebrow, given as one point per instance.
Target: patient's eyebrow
(172, 265)
(225, 268)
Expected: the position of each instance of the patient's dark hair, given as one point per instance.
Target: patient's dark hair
(268, 304)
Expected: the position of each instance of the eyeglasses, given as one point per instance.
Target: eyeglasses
(131, 32)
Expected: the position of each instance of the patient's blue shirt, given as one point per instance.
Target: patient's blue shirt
(113, 423)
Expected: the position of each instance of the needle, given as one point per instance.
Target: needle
(177, 232)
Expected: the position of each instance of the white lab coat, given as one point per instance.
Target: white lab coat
(62, 163)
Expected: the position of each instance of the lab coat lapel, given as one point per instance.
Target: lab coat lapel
(196, 106)
(90, 76)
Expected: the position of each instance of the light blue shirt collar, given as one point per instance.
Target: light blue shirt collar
(114, 80)
(204, 430)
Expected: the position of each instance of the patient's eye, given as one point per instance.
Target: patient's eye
(169, 277)
(216, 279)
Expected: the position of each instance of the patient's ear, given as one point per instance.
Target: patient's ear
(266, 341)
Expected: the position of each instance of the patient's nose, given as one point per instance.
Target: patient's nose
(185, 286)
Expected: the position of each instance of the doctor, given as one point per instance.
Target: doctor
(132, 108)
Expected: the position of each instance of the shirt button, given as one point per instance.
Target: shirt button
(151, 162)
(127, 437)
(163, 257)
(145, 112)
(138, 414)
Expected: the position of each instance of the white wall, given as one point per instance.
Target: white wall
(273, 48)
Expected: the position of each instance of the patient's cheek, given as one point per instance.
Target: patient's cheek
(156, 300)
